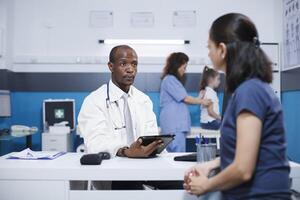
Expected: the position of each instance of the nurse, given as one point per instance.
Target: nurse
(174, 112)
(253, 150)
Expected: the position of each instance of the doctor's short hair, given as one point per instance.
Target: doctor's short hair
(174, 62)
(113, 52)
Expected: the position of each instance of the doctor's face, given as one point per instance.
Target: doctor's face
(124, 68)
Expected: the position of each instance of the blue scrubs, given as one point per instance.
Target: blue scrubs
(174, 113)
(271, 177)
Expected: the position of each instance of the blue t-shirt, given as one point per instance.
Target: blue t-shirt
(271, 177)
(174, 113)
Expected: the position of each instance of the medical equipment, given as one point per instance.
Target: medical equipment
(110, 108)
(58, 110)
(61, 127)
(59, 120)
(21, 130)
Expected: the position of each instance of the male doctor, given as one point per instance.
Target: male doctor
(113, 117)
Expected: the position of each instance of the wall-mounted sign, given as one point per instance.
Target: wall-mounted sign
(184, 18)
(142, 19)
(101, 19)
(291, 33)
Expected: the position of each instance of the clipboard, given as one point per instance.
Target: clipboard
(28, 154)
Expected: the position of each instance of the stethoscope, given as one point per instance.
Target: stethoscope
(109, 107)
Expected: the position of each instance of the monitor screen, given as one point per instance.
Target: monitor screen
(56, 111)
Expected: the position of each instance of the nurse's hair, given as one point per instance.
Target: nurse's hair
(244, 58)
(174, 62)
(206, 75)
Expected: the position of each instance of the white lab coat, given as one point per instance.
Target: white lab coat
(97, 122)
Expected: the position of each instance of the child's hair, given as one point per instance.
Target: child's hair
(206, 75)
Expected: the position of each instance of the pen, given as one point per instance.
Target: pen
(206, 141)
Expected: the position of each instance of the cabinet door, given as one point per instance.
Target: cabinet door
(54, 142)
(33, 190)
(276, 84)
(272, 51)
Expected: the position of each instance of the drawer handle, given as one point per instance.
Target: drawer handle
(53, 140)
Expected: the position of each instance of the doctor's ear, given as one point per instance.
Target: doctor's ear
(110, 66)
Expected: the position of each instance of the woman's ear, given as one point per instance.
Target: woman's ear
(223, 50)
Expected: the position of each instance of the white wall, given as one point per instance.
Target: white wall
(6, 22)
(3, 13)
(59, 30)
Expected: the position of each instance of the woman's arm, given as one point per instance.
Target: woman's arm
(249, 129)
(195, 100)
(212, 113)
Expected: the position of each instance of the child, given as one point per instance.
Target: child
(210, 116)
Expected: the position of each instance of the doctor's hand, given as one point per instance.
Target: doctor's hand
(136, 149)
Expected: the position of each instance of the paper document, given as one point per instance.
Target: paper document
(28, 154)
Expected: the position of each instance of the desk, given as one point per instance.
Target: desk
(44, 179)
(49, 179)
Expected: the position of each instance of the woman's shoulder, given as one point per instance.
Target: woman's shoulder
(210, 92)
(252, 84)
(169, 79)
(253, 87)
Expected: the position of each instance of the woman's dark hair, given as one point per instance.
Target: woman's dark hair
(206, 75)
(244, 59)
(174, 62)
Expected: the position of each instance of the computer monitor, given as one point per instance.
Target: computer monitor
(59, 110)
(5, 107)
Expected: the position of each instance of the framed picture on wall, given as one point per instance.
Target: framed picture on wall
(291, 34)
(142, 19)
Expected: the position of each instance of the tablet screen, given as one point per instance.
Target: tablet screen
(167, 139)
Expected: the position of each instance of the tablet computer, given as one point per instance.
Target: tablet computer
(167, 139)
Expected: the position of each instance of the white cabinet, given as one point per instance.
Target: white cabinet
(272, 51)
(56, 142)
(276, 84)
(33, 190)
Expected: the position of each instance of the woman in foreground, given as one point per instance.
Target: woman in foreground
(253, 152)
